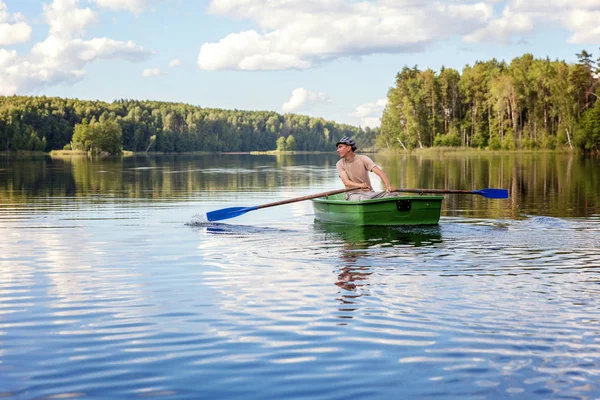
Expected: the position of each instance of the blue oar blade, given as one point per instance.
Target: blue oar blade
(226, 213)
(493, 193)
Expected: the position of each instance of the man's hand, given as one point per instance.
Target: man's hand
(390, 189)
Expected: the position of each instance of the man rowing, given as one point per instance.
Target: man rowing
(354, 171)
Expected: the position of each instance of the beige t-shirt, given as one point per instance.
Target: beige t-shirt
(357, 170)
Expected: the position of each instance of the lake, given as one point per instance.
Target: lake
(113, 285)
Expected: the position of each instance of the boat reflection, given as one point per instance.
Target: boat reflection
(365, 237)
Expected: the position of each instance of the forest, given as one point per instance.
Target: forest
(527, 104)
(51, 123)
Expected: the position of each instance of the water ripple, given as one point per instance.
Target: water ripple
(123, 307)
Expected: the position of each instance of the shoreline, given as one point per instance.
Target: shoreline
(424, 151)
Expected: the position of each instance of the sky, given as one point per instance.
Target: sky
(334, 59)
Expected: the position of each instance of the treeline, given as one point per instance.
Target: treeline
(50, 123)
(527, 104)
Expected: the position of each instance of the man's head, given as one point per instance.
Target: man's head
(346, 141)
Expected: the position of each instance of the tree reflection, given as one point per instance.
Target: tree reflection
(551, 184)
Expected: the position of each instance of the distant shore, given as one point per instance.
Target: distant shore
(424, 151)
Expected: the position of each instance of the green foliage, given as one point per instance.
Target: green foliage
(587, 135)
(35, 143)
(286, 144)
(162, 127)
(281, 144)
(528, 144)
(290, 143)
(29, 140)
(479, 140)
(549, 142)
(98, 137)
(528, 104)
(449, 140)
(494, 143)
(508, 143)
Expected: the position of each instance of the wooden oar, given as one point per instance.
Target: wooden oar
(489, 193)
(232, 212)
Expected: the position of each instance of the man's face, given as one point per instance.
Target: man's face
(343, 149)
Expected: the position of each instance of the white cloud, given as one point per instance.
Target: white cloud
(66, 20)
(301, 34)
(174, 62)
(296, 34)
(370, 122)
(502, 29)
(5, 16)
(7, 59)
(21, 74)
(368, 109)
(12, 29)
(370, 113)
(247, 51)
(134, 6)
(521, 17)
(61, 58)
(150, 72)
(585, 26)
(302, 100)
(14, 33)
(55, 61)
(78, 52)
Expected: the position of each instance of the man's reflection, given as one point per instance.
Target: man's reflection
(360, 246)
(352, 279)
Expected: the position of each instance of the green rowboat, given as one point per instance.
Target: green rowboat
(401, 210)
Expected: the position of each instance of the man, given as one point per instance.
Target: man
(354, 171)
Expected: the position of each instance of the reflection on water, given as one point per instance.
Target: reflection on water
(363, 237)
(358, 243)
(111, 288)
(550, 184)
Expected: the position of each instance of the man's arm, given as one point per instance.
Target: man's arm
(379, 172)
(351, 185)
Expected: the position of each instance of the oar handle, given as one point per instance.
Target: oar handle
(312, 196)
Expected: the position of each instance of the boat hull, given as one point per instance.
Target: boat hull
(400, 210)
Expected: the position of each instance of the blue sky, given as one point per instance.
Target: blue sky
(334, 59)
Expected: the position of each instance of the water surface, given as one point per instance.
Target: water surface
(111, 286)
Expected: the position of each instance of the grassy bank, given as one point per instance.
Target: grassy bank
(470, 150)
